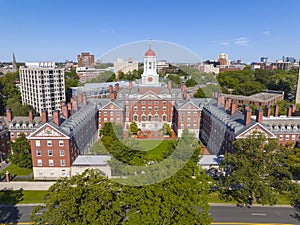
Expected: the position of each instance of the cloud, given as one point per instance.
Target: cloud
(225, 43)
(242, 41)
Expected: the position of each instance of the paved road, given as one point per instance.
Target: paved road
(221, 215)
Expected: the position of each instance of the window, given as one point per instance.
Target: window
(40, 172)
(61, 143)
(51, 162)
(195, 119)
(105, 113)
(150, 118)
(281, 137)
(149, 108)
(143, 108)
(182, 113)
(164, 117)
(287, 137)
(182, 126)
(143, 102)
(195, 126)
(156, 117)
(293, 137)
(111, 113)
(51, 172)
(135, 117)
(38, 152)
(164, 108)
(164, 102)
(37, 143)
(156, 108)
(135, 108)
(49, 143)
(50, 152)
(195, 113)
(143, 118)
(62, 162)
(63, 173)
(156, 102)
(105, 119)
(149, 102)
(40, 162)
(62, 152)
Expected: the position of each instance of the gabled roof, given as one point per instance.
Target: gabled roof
(113, 103)
(48, 131)
(255, 127)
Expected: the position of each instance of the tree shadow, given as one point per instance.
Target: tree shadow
(9, 213)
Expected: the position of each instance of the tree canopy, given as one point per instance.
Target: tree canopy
(256, 172)
(21, 152)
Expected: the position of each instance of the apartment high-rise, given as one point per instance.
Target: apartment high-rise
(42, 86)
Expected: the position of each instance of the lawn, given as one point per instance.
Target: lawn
(154, 148)
(21, 197)
(15, 170)
(32, 197)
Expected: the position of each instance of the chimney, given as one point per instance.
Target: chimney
(75, 105)
(117, 87)
(56, 117)
(220, 100)
(69, 108)
(276, 108)
(130, 85)
(232, 108)
(31, 117)
(259, 115)
(227, 104)
(9, 115)
(113, 96)
(64, 110)
(79, 98)
(289, 112)
(268, 111)
(246, 107)
(84, 99)
(188, 96)
(183, 87)
(44, 116)
(247, 117)
(169, 84)
(293, 108)
(110, 89)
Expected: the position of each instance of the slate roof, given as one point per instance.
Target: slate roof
(92, 160)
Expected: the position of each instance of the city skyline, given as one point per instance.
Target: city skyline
(58, 31)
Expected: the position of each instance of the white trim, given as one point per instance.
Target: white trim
(261, 126)
(30, 137)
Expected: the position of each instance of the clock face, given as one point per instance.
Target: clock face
(150, 79)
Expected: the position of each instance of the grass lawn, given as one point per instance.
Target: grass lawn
(33, 197)
(154, 148)
(15, 170)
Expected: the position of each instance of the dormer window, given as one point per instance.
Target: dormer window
(24, 125)
(17, 125)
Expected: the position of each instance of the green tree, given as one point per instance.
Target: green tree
(256, 172)
(21, 152)
(133, 127)
(191, 83)
(166, 129)
(84, 199)
(199, 94)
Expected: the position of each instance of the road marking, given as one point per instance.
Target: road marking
(258, 214)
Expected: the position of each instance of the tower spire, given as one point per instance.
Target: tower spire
(14, 63)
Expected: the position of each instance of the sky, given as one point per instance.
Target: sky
(58, 30)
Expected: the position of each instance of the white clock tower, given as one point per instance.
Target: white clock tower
(150, 76)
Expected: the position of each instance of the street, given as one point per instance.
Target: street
(220, 214)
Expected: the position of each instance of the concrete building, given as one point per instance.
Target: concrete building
(42, 86)
(223, 59)
(125, 66)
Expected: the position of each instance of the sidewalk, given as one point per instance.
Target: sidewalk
(4, 166)
(35, 186)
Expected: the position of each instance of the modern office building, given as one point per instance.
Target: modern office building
(125, 66)
(42, 86)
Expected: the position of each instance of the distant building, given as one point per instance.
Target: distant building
(4, 141)
(86, 74)
(42, 86)
(223, 59)
(267, 97)
(125, 66)
(86, 60)
(208, 68)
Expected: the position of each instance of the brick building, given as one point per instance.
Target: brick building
(60, 140)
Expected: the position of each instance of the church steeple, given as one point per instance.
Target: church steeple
(14, 63)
